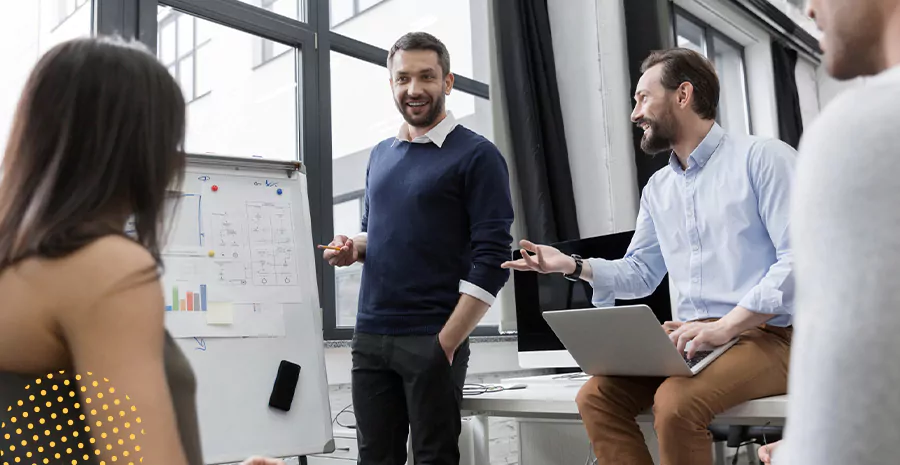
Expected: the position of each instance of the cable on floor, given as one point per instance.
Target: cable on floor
(478, 389)
(335, 420)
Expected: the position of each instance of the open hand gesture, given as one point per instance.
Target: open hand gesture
(545, 259)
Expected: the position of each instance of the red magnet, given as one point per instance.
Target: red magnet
(215, 188)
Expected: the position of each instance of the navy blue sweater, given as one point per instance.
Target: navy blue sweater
(434, 216)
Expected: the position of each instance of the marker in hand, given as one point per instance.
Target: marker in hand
(340, 252)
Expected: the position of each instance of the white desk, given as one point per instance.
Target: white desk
(547, 406)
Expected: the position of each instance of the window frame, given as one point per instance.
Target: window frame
(356, 11)
(359, 195)
(314, 38)
(710, 34)
(63, 18)
(266, 47)
(171, 20)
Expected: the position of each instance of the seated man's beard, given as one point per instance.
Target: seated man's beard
(659, 137)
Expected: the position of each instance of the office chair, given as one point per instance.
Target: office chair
(735, 437)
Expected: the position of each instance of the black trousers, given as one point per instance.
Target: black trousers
(406, 384)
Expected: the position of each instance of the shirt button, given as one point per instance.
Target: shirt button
(696, 248)
(696, 280)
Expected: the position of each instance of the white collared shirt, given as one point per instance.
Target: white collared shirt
(437, 135)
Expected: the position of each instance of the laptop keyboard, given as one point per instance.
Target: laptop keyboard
(698, 357)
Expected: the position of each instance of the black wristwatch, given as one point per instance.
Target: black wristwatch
(576, 275)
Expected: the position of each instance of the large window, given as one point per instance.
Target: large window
(180, 44)
(266, 79)
(345, 10)
(270, 49)
(235, 109)
(462, 25)
(728, 58)
(293, 9)
(28, 28)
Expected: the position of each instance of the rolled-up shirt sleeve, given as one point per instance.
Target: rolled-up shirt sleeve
(489, 205)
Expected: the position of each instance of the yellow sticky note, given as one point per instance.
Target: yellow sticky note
(220, 313)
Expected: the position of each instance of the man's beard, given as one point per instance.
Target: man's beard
(423, 120)
(661, 135)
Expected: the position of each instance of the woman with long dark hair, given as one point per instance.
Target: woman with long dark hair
(96, 139)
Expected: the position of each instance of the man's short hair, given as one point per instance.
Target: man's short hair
(422, 41)
(682, 65)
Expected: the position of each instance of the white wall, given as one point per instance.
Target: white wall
(590, 52)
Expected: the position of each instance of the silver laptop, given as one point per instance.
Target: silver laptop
(624, 341)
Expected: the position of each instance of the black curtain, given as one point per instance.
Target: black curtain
(790, 120)
(525, 54)
(648, 27)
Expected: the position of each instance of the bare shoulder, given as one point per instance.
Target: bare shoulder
(126, 250)
(111, 258)
(104, 266)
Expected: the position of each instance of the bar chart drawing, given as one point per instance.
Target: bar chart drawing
(188, 301)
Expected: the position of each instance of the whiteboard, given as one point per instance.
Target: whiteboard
(235, 345)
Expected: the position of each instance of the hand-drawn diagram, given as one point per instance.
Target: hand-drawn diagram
(272, 244)
(228, 247)
(228, 237)
(232, 273)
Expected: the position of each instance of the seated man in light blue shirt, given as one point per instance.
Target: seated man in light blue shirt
(716, 219)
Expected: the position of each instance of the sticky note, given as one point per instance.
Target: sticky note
(220, 313)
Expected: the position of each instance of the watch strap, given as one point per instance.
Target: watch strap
(576, 275)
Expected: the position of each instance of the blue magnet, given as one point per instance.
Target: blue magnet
(279, 191)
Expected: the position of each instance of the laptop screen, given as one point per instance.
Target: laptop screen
(536, 293)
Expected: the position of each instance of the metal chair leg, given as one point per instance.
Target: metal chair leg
(720, 452)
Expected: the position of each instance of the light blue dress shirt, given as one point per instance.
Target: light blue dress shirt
(720, 228)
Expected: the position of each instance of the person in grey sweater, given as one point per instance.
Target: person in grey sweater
(844, 382)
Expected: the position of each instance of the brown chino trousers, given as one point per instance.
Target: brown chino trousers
(755, 367)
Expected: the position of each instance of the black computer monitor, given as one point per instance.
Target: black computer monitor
(536, 293)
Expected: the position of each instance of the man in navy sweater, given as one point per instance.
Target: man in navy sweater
(435, 232)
